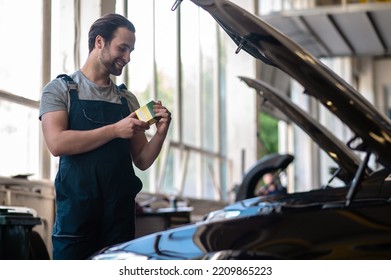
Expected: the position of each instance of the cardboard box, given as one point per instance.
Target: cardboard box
(146, 113)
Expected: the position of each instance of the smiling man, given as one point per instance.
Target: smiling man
(90, 123)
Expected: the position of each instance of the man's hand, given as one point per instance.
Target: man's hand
(164, 118)
(130, 126)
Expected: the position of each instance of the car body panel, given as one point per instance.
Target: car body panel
(304, 225)
(286, 231)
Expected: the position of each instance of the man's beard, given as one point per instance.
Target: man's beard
(110, 63)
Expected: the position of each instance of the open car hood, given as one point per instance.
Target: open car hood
(346, 159)
(264, 42)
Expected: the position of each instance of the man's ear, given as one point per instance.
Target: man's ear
(99, 42)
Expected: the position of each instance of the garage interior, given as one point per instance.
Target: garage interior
(183, 58)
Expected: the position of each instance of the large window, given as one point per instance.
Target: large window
(176, 61)
(20, 86)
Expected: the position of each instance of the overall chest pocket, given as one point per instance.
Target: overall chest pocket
(102, 113)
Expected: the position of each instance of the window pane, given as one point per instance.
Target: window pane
(208, 65)
(168, 182)
(190, 187)
(140, 67)
(21, 49)
(19, 136)
(63, 56)
(190, 72)
(209, 189)
(166, 57)
(166, 53)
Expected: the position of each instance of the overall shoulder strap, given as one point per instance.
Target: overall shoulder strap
(122, 87)
(72, 85)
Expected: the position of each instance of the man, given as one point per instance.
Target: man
(98, 137)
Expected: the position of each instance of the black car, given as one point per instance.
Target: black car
(347, 222)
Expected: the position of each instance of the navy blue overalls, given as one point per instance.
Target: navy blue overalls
(96, 190)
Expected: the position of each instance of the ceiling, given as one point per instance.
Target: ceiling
(332, 31)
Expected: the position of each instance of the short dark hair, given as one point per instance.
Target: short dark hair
(106, 26)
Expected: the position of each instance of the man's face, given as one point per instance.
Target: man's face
(116, 54)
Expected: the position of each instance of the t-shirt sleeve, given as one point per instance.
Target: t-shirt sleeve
(132, 101)
(54, 97)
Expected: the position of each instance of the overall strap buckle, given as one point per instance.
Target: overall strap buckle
(72, 85)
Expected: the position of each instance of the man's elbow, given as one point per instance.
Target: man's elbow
(141, 164)
(55, 148)
(55, 151)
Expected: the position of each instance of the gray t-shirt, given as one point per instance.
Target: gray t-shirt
(55, 95)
